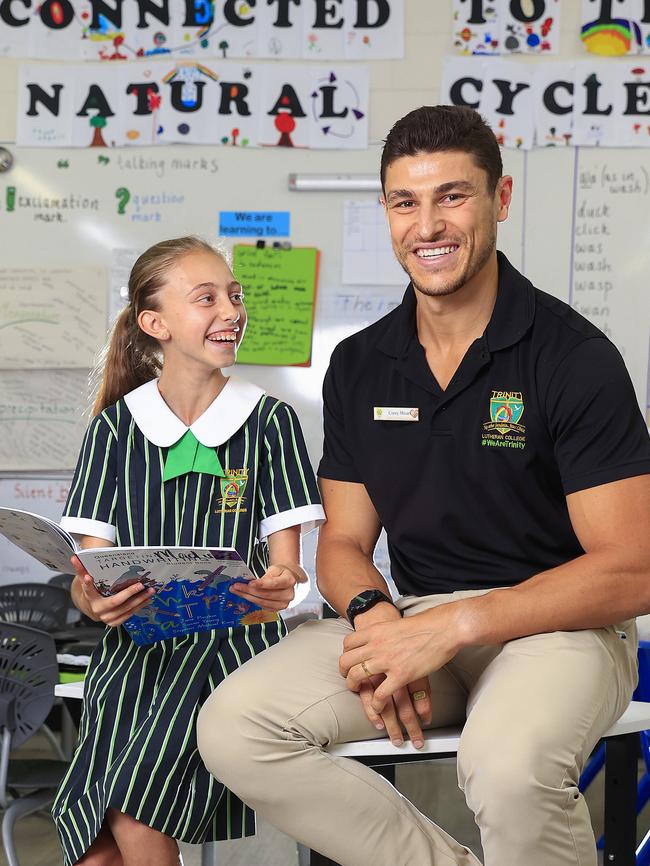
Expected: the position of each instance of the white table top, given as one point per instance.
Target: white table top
(70, 690)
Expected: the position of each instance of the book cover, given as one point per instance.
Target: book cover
(192, 583)
(192, 588)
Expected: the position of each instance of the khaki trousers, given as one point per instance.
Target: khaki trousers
(535, 709)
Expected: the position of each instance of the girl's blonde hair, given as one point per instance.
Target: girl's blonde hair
(132, 357)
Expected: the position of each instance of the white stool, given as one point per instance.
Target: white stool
(620, 774)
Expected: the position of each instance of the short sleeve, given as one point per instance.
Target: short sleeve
(594, 418)
(337, 462)
(90, 509)
(287, 490)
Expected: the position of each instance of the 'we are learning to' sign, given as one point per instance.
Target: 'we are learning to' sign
(257, 224)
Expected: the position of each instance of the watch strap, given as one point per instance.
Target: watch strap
(364, 601)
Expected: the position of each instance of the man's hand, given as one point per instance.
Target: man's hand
(408, 709)
(403, 711)
(275, 589)
(404, 652)
(112, 610)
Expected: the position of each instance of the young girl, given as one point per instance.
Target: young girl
(136, 783)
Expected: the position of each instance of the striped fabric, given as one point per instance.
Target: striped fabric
(137, 746)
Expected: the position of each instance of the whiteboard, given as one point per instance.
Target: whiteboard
(179, 191)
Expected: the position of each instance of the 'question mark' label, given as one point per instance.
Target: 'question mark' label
(123, 195)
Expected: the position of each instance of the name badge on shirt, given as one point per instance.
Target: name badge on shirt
(396, 413)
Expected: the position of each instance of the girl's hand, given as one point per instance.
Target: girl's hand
(112, 610)
(275, 589)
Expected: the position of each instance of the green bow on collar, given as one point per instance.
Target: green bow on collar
(189, 455)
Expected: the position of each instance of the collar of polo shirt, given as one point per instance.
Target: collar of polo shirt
(223, 417)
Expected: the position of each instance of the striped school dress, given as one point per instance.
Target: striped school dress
(137, 744)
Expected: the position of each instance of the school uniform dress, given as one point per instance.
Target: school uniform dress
(137, 744)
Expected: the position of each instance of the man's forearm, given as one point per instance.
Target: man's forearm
(594, 590)
(344, 570)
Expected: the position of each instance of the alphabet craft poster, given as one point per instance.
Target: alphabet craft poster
(589, 103)
(203, 29)
(272, 105)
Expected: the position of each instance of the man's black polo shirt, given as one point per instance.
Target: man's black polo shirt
(472, 494)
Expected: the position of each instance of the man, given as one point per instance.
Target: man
(495, 434)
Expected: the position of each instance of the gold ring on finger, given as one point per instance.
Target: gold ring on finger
(419, 696)
(365, 669)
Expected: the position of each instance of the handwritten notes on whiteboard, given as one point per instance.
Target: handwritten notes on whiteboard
(51, 317)
(280, 293)
(368, 258)
(41, 418)
(610, 267)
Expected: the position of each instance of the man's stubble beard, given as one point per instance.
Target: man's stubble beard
(450, 288)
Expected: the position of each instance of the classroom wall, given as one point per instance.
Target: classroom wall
(556, 196)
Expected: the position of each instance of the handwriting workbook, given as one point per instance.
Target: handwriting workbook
(192, 584)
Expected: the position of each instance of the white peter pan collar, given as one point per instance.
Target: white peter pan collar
(223, 417)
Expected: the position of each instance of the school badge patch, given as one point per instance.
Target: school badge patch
(503, 430)
(233, 486)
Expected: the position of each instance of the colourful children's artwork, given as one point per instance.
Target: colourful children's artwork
(612, 29)
(506, 26)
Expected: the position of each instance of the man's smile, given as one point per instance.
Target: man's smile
(433, 256)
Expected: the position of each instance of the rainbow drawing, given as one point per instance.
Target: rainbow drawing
(611, 38)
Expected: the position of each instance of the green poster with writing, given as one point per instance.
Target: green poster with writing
(280, 293)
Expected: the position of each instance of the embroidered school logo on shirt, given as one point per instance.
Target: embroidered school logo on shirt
(232, 491)
(503, 430)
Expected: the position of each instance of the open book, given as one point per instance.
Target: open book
(192, 583)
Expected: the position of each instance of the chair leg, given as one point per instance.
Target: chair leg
(303, 855)
(620, 799)
(209, 854)
(51, 737)
(69, 733)
(18, 809)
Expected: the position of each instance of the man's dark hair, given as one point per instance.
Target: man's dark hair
(434, 128)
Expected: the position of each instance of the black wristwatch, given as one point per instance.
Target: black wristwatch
(364, 601)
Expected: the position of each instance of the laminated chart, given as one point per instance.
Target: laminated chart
(280, 294)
